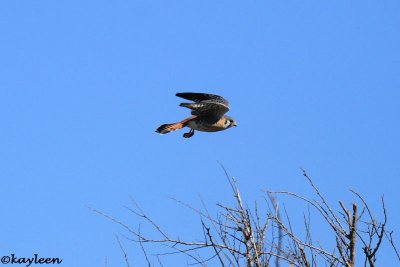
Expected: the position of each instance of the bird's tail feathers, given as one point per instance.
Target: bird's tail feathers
(170, 127)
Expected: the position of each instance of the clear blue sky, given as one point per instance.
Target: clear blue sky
(84, 84)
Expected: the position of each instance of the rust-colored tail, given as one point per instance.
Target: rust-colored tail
(166, 128)
(170, 127)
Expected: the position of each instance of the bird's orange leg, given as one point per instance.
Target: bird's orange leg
(189, 134)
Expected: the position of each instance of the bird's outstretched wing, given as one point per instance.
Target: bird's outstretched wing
(207, 106)
(197, 97)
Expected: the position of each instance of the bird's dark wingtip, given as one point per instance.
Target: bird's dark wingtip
(181, 94)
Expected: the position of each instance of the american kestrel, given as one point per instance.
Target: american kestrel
(207, 115)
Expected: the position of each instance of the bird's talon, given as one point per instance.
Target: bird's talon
(188, 134)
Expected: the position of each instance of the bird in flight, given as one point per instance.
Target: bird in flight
(208, 115)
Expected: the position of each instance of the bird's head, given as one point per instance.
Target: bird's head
(229, 122)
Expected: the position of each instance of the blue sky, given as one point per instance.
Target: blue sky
(84, 84)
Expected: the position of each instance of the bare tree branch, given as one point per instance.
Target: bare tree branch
(123, 251)
(240, 235)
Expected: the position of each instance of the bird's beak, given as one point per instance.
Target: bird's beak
(234, 124)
